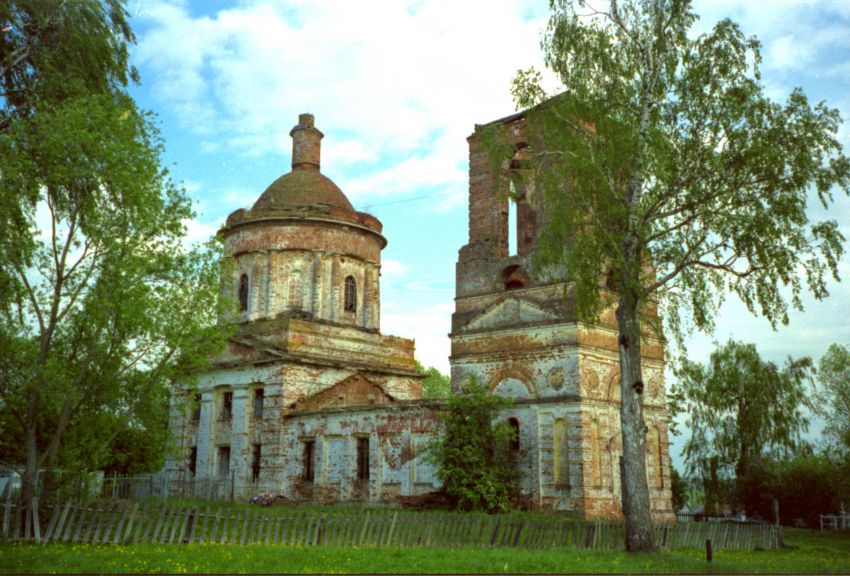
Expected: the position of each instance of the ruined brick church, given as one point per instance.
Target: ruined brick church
(309, 397)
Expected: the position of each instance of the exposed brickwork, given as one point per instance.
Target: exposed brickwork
(519, 335)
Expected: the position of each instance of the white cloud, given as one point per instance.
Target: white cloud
(197, 232)
(399, 82)
(392, 268)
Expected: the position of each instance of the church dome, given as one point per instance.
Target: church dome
(302, 188)
(305, 186)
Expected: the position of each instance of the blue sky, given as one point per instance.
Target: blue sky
(397, 86)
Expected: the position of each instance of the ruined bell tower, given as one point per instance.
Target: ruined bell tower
(516, 333)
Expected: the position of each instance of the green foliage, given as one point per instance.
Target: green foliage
(474, 458)
(436, 384)
(102, 308)
(805, 486)
(834, 397)
(740, 407)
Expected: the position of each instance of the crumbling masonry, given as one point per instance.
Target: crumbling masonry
(311, 400)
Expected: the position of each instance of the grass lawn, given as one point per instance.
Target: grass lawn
(806, 552)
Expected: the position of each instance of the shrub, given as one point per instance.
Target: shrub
(475, 458)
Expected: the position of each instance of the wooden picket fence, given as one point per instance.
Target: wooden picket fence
(131, 523)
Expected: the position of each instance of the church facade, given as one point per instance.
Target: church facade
(312, 401)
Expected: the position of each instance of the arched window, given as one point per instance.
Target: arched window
(295, 295)
(514, 424)
(350, 294)
(243, 293)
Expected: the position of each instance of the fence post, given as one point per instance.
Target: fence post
(708, 551)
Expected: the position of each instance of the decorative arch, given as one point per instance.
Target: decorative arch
(516, 372)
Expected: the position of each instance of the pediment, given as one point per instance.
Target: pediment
(508, 312)
(351, 391)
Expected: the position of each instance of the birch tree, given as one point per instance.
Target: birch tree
(669, 178)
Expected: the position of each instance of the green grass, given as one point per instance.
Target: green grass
(807, 552)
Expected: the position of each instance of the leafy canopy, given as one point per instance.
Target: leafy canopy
(101, 305)
(739, 407)
(665, 167)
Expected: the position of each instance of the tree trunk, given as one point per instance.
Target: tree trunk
(636, 505)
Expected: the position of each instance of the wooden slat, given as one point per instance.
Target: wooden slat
(235, 527)
(304, 525)
(35, 524)
(293, 529)
(161, 526)
(81, 522)
(194, 520)
(176, 523)
(202, 531)
(58, 530)
(345, 527)
(144, 520)
(268, 520)
(284, 526)
(363, 527)
(152, 531)
(132, 533)
(167, 520)
(98, 523)
(51, 524)
(125, 519)
(216, 525)
(320, 521)
(123, 516)
(93, 524)
(405, 529)
(225, 523)
(112, 514)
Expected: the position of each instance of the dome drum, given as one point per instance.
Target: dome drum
(303, 249)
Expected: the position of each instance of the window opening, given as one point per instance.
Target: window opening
(307, 460)
(223, 461)
(226, 407)
(243, 293)
(259, 395)
(350, 294)
(193, 460)
(255, 462)
(362, 458)
(514, 424)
